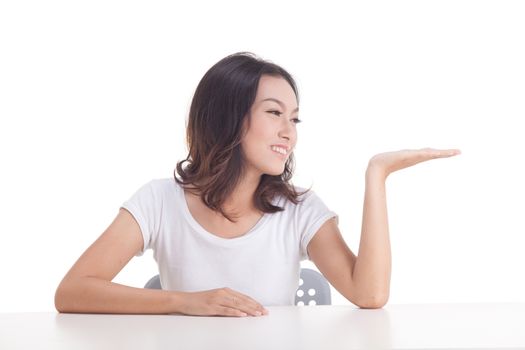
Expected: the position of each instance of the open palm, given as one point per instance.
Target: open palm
(389, 162)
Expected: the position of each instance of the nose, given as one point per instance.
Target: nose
(287, 129)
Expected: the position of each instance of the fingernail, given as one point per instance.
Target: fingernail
(258, 313)
(244, 314)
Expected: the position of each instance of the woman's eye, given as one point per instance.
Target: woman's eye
(295, 120)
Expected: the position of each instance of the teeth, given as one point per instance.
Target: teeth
(279, 149)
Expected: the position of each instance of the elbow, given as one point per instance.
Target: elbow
(62, 295)
(373, 302)
(59, 299)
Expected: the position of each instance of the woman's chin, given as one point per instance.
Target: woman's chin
(275, 171)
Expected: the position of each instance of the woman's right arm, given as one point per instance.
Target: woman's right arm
(87, 287)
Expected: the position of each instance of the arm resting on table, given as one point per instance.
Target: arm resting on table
(87, 287)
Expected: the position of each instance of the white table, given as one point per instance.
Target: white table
(479, 326)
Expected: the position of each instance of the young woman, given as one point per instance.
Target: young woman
(229, 231)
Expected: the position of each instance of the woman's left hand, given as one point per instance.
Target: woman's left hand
(387, 163)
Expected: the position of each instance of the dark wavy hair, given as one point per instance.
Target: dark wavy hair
(220, 105)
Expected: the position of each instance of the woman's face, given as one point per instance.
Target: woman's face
(273, 118)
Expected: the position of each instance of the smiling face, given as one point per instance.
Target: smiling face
(273, 119)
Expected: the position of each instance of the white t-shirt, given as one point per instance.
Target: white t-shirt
(264, 263)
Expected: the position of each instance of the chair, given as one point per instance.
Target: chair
(313, 288)
(153, 283)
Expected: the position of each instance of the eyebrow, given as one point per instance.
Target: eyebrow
(279, 102)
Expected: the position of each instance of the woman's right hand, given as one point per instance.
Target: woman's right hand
(220, 302)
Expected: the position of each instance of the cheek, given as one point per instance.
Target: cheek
(262, 133)
(252, 144)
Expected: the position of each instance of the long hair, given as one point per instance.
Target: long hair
(219, 107)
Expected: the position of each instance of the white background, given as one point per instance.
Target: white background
(94, 97)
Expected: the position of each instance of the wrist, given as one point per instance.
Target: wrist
(375, 171)
(177, 302)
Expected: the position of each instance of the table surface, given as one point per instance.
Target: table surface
(411, 326)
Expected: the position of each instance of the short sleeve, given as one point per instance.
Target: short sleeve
(143, 205)
(312, 214)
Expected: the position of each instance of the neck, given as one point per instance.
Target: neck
(240, 201)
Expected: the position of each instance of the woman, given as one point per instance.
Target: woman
(230, 232)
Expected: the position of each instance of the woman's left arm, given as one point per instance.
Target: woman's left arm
(373, 264)
(365, 279)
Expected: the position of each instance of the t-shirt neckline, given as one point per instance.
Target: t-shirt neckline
(213, 237)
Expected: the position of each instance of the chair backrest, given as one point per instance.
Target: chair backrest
(153, 283)
(313, 288)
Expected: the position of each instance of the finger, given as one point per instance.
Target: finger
(235, 303)
(243, 302)
(449, 153)
(228, 311)
(251, 302)
(440, 153)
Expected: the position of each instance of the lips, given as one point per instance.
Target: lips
(280, 154)
(286, 147)
(283, 156)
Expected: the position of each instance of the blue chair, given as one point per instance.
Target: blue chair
(313, 288)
